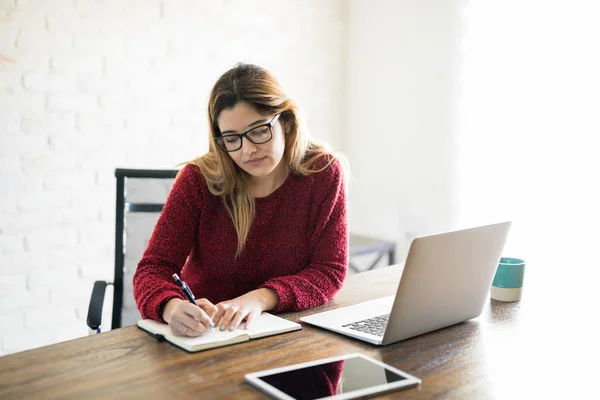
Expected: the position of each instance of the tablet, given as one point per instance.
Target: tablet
(344, 377)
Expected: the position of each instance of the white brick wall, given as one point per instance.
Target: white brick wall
(97, 85)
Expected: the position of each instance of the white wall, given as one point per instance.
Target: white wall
(401, 139)
(529, 142)
(87, 86)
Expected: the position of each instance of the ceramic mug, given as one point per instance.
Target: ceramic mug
(508, 281)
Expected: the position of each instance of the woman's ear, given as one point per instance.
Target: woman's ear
(287, 126)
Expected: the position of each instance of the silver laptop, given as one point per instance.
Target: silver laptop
(446, 280)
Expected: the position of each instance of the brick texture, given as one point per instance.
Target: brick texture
(87, 86)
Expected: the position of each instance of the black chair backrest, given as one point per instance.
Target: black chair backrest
(141, 194)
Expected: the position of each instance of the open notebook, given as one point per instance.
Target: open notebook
(265, 325)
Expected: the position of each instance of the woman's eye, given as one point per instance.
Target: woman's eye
(261, 131)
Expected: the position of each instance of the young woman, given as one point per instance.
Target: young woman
(259, 223)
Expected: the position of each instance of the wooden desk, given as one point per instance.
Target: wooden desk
(511, 351)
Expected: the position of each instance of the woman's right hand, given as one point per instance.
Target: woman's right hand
(185, 319)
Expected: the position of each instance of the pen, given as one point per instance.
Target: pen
(188, 293)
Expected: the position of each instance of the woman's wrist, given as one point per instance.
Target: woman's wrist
(267, 298)
(168, 308)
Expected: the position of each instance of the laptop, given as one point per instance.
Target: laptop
(446, 280)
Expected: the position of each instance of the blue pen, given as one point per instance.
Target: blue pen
(188, 293)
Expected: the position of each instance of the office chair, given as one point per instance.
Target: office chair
(140, 196)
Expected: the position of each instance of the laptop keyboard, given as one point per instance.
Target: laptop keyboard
(374, 326)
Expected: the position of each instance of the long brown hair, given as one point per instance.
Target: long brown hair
(255, 86)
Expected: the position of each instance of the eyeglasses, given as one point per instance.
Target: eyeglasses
(257, 135)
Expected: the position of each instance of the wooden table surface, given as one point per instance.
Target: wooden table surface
(513, 350)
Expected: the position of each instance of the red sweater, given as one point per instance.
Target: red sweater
(297, 245)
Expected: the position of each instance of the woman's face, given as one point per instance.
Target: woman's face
(258, 160)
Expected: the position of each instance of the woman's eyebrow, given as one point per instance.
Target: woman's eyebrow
(264, 121)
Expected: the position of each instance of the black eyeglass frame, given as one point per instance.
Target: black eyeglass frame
(245, 135)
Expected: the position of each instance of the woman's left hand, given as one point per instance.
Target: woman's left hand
(248, 307)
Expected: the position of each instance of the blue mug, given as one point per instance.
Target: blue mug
(508, 281)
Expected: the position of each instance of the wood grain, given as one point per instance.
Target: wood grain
(491, 356)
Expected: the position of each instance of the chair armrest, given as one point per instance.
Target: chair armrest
(94, 317)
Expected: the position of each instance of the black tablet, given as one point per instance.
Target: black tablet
(344, 377)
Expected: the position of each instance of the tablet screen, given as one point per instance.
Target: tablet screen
(325, 378)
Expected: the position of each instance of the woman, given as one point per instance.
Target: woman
(258, 223)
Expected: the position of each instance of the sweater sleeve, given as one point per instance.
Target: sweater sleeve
(169, 245)
(325, 274)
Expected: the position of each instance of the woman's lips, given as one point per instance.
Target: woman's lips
(255, 161)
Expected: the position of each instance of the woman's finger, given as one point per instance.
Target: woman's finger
(225, 322)
(221, 307)
(237, 318)
(178, 328)
(252, 316)
(197, 314)
(209, 308)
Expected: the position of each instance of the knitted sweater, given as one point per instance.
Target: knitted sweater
(297, 245)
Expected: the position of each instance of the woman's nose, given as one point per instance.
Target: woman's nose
(248, 146)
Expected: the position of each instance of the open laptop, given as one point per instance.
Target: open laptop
(446, 280)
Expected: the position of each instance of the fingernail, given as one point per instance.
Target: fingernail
(212, 324)
(222, 327)
(231, 328)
